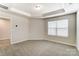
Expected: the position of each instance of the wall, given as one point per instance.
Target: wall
(28, 29)
(37, 29)
(71, 39)
(77, 30)
(4, 25)
(21, 32)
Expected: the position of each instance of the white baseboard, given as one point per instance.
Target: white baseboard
(37, 39)
(62, 43)
(16, 42)
(77, 47)
(47, 40)
(57, 42)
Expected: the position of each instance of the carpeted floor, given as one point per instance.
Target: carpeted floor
(39, 48)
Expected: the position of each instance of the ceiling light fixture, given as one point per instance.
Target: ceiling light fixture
(37, 7)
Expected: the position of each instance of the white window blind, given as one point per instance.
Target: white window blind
(58, 28)
(52, 28)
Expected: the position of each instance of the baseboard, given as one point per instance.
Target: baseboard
(18, 42)
(77, 49)
(57, 42)
(23, 41)
(37, 39)
(45, 40)
(62, 43)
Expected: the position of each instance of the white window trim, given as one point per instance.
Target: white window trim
(57, 32)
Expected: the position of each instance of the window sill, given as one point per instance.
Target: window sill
(57, 36)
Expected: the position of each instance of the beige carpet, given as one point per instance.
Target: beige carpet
(39, 48)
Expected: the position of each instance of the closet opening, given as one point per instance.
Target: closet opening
(4, 32)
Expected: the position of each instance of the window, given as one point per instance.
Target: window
(58, 28)
(52, 28)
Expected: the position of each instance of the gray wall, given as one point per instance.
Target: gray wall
(37, 29)
(71, 39)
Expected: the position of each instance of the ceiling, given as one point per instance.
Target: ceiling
(29, 7)
(44, 7)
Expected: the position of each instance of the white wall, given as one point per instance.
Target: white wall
(3, 14)
(77, 32)
(37, 31)
(72, 7)
(28, 29)
(21, 32)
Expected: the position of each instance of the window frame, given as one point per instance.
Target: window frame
(59, 28)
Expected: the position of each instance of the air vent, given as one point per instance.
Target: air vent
(54, 12)
(4, 7)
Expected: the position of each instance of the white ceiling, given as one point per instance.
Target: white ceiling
(29, 7)
(44, 7)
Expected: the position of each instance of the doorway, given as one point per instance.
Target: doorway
(4, 32)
